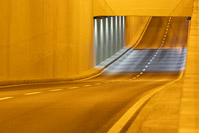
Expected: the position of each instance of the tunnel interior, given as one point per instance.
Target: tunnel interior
(162, 49)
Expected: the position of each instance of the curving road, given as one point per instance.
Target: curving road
(96, 104)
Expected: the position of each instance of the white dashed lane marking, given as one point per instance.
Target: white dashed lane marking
(32, 93)
(71, 88)
(163, 42)
(5, 98)
(86, 85)
(56, 90)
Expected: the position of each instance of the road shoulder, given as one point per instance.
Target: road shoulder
(160, 113)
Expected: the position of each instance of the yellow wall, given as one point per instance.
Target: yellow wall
(45, 39)
(134, 28)
(143, 7)
(50, 39)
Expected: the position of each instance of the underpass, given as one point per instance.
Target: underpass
(95, 105)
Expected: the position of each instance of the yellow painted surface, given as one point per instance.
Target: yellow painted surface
(177, 30)
(143, 7)
(134, 27)
(189, 115)
(45, 39)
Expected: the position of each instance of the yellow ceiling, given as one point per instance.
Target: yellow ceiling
(143, 7)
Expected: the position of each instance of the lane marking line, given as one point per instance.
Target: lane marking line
(154, 56)
(71, 88)
(5, 98)
(32, 93)
(56, 90)
(87, 85)
(131, 47)
(119, 125)
(138, 76)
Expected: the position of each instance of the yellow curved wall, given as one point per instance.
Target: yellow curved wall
(50, 39)
(134, 28)
(45, 39)
(143, 7)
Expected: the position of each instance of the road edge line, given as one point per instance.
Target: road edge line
(119, 125)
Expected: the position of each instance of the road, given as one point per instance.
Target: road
(95, 105)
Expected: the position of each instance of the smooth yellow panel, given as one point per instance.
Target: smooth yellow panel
(5, 20)
(45, 39)
(143, 7)
(134, 28)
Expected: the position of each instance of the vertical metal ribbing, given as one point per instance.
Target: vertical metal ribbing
(116, 34)
(96, 40)
(124, 30)
(101, 54)
(104, 40)
(112, 35)
(120, 32)
(107, 38)
(99, 42)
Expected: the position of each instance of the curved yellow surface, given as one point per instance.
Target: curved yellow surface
(143, 7)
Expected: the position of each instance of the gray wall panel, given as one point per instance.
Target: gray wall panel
(109, 36)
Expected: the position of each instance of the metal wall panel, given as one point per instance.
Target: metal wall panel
(109, 36)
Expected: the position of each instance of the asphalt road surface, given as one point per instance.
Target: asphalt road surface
(95, 105)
